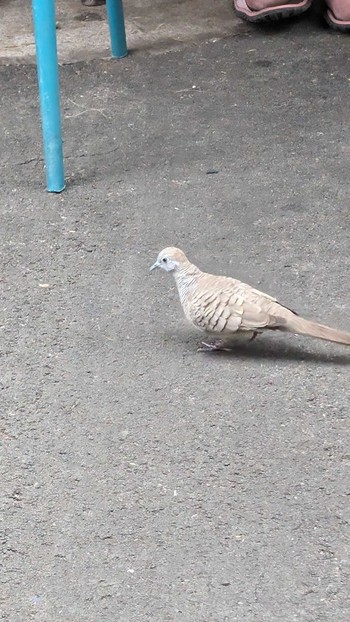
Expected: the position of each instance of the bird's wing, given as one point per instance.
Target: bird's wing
(225, 310)
(223, 304)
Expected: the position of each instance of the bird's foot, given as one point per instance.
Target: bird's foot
(228, 344)
(215, 346)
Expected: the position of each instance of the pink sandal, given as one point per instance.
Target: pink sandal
(264, 10)
(338, 14)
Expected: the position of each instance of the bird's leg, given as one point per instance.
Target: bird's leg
(255, 334)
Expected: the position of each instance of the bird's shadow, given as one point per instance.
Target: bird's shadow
(274, 349)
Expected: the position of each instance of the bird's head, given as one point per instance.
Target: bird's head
(170, 259)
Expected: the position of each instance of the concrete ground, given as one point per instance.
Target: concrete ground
(143, 481)
(82, 32)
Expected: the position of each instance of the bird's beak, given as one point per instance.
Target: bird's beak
(155, 265)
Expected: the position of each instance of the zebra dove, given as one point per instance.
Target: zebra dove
(225, 306)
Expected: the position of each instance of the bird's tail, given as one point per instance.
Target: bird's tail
(304, 327)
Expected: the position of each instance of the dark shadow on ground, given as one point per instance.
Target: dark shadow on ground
(277, 350)
(272, 349)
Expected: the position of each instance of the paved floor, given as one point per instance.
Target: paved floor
(143, 481)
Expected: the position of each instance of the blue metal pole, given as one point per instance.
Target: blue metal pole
(116, 23)
(47, 63)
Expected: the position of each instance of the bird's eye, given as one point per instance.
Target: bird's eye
(164, 259)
